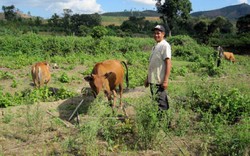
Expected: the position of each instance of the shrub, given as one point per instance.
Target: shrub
(230, 104)
(232, 140)
(99, 32)
(64, 78)
(188, 49)
(6, 75)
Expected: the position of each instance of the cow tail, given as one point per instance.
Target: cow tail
(33, 71)
(39, 75)
(127, 82)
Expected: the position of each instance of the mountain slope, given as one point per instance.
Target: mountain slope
(230, 12)
(146, 13)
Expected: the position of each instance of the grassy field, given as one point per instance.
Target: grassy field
(118, 20)
(208, 115)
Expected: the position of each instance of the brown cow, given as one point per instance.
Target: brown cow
(106, 76)
(227, 55)
(40, 73)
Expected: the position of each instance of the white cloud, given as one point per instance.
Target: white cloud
(147, 2)
(243, 1)
(77, 6)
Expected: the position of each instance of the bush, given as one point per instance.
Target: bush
(231, 140)
(186, 48)
(99, 32)
(231, 104)
(64, 78)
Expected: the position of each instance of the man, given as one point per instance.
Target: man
(159, 68)
(220, 49)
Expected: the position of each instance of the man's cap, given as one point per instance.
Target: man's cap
(159, 27)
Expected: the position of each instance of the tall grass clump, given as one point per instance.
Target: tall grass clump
(147, 122)
(98, 110)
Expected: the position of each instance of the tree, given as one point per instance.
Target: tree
(9, 12)
(174, 11)
(216, 25)
(227, 27)
(66, 20)
(38, 21)
(84, 30)
(99, 31)
(54, 20)
(201, 31)
(136, 25)
(88, 20)
(243, 24)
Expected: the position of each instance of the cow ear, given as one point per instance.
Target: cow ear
(107, 75)
(88, 78)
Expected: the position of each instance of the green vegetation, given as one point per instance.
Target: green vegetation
(209, 105)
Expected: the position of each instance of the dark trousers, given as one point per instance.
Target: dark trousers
(159, 94)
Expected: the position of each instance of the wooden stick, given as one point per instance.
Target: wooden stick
(66, 124)
(75, 110)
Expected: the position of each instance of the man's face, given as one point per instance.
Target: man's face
(158, 35)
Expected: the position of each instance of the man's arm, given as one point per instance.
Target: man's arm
(167, 72)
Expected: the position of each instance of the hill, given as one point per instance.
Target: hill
(146, 13)
(19, 14)
(231, 12)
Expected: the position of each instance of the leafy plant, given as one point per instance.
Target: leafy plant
(6, 75)
(14, 84)
(64, 78)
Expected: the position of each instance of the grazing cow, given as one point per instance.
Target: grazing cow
(40, 74)
(106, 76)
(227, 55)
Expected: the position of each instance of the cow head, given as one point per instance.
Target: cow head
(99, 83)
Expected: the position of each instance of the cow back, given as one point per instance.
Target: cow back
(229, 56)
(40, 73)
(113, 66)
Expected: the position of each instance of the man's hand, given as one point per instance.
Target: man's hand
(146, 84)
(165, 84)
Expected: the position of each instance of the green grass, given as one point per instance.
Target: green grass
(118, 20)
(208, 115)
(109, 20)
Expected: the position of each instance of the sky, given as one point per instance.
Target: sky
(46, 8)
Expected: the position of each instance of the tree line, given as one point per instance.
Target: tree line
(175, 16)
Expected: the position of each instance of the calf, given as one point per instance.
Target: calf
(40, 74)
(106, 76)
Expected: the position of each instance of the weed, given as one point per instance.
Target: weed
(8, 116)
(34, 120)
(147, 123)
(64, 78)
(14, 84)
(6, 75)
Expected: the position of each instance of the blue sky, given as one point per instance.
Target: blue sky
(46, 8)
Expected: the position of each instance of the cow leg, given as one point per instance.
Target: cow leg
(121, 104)
(36, 84)
(121, 91)
(114, 99)
(41, 83)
